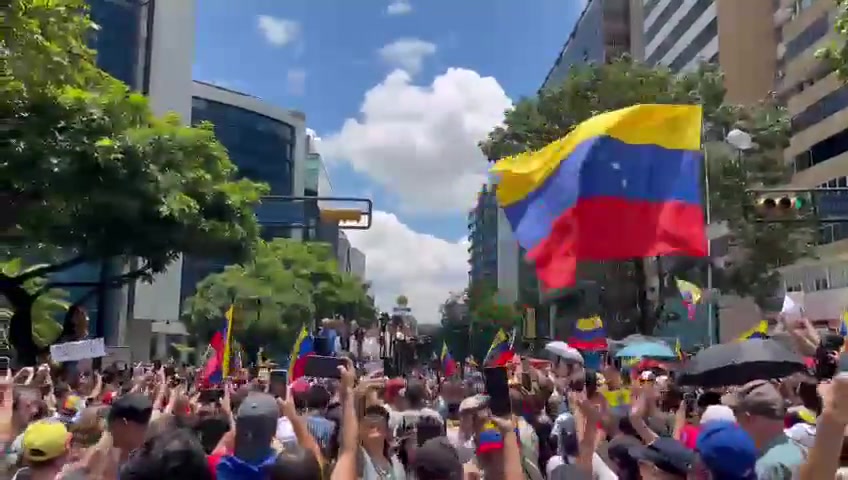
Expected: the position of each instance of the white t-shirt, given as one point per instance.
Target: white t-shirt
(285, 431)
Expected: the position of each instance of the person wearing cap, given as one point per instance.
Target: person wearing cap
(726, 451)
(252, 451)
(45, 446)
(760, 410)
(664, 459)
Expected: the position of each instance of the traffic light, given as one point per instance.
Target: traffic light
(782, 205)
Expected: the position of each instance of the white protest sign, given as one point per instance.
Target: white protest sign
(81, 350)
(793, 307)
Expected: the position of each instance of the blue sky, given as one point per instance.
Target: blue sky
(399, 91)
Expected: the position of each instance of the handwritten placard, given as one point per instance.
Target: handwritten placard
(81, 350)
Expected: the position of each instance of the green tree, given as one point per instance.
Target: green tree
(86, 168)
(837, 54)
(46, 310)
(285, 285)
(593, 89)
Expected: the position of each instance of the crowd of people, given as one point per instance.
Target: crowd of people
(565, 422)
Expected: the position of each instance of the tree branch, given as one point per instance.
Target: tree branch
(52, 268)
(113, 282)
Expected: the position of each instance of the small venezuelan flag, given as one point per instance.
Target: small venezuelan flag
(758, 331)
(690, 294)
(589, 334)
(500, 352)
(621, 185)
(303, 347)
(448, 363)
(228, 342)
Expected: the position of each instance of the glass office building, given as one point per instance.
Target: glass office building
(602, 32)
(118, 42)
(263, 149)
(483, 238)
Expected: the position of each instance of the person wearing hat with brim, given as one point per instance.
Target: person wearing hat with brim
(760, 410)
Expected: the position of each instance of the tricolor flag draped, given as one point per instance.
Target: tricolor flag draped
(589, 334)
(448, 363)
(500, 352)
(303, 347)
(217, 365)
(623, 184)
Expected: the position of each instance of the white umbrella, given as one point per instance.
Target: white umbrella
(564, 351)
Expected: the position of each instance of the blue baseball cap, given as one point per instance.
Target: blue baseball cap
(727, 451)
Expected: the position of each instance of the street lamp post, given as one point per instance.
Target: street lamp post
(741, 141)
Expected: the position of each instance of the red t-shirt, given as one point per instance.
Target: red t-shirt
(689, 436)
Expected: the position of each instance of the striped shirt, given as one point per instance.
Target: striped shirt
(321, 430)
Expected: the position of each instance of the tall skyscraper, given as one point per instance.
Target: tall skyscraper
(602, 32)
(483, 239)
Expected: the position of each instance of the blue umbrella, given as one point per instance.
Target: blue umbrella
(646, 349)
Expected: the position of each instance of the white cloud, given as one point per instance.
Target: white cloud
(399, 7)
(407, 53)
(401, 261)
(420, 142)
(296, 81)
(278, 31)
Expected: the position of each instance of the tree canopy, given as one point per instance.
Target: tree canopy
(87, 169)
(597, 88)
(48, 309)
(285, 285)
(837, 54)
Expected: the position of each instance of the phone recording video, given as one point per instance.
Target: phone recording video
(497, 387)
(211, 396)
(278, 382)
(323, 367)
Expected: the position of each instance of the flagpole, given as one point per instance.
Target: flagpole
(708, 218)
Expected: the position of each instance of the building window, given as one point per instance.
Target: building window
(807, 38)
(674, 35)
(831, 103)
(698, 43)
(261, 147)
(822, 151)
(118, 39)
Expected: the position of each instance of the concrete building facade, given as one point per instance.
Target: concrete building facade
(818, 152)
(680, 34)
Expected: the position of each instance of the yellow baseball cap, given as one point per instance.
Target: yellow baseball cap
(45, 440)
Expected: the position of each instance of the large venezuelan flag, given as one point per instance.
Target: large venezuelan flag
(589, 334)
(622, 184)
(448, 363)
(303, 347)
(500, 352)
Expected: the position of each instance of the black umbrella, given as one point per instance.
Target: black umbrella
(738, 363)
